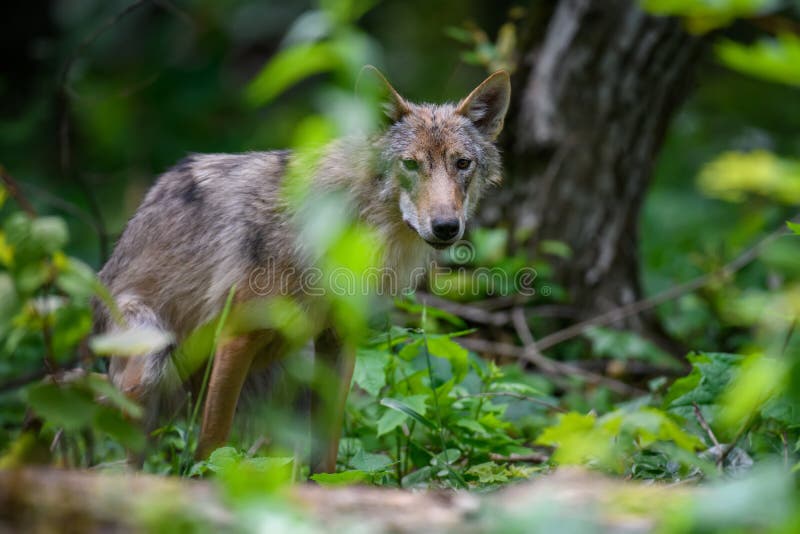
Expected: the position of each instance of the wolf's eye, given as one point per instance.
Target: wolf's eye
(463, 164)
(410, 164)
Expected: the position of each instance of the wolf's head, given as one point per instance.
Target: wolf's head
(441, 158)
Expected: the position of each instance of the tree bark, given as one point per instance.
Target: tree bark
(593, 102)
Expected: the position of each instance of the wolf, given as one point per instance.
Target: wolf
(210, 221)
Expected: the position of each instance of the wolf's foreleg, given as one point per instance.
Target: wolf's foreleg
(230, 368)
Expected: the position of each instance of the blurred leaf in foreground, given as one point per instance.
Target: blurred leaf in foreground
(702, 16)
(733, 176)
(776, 60)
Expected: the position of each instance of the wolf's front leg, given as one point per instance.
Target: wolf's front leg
(333, 364)
(229, 370)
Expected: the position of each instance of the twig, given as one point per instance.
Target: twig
(789, 334)
(64, 129)
(546, 364)
(45, 197)
(256, 446)
(521, 327)
(672, 293)
(629, 367)
(533, 457)
(465, 311)
(704, 424)
(479, 313)
(785, 449)
(732, 445)
(14, 191)
(56, 439)
(519, 396)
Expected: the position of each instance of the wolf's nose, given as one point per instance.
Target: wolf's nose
(445, 229)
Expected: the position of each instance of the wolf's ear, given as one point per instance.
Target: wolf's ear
(487, 104)
(394, 105)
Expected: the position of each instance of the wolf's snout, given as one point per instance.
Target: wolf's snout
(446, 229)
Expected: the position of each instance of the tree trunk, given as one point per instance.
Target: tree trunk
(589, 119)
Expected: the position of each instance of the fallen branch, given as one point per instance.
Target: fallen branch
(52, 500)
(478, 313)
(547, 365)
(534, 457)
(617, 314)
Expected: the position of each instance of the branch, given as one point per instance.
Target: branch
(14, 191)
(704, 424)
(617, 314)
(536, 458)
(547, 365)
(481, 312)
(64, 94)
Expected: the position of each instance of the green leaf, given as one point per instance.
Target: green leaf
(49, 234)
(515, 387)
(393, 418)
(776, 60)
(405, 408)
(9, 301)
(758, 381)
(705, 15)
(390, 420)
(113, 423)
(370, 370)
(65, 406)
(711, 373)
(618, 344)
(369, 462)
(77, 279)
(410, 350)
(446, 457)
(268, 463)
(488, 473)
(555, 248)
(737, 176)
(288, 67)
(345, 478)
(794, 227)
(473, 425)
(131, 342)
(458, 356)
(106, 391)
(224, 458)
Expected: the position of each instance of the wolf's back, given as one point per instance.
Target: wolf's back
(203, 227)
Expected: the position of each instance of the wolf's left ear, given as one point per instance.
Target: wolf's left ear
(487, 104)
(395, 106)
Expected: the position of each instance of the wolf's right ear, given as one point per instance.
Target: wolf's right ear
(394, 105)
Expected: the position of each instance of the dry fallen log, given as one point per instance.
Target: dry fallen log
(49, 500)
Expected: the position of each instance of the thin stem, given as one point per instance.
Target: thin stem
(436, 401)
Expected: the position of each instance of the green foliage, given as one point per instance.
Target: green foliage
(427, 416)
(44, 317)
(734, 176)
(423, 411)
(776, 60)
(705, 15)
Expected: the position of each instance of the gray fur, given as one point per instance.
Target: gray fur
(212, 219)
